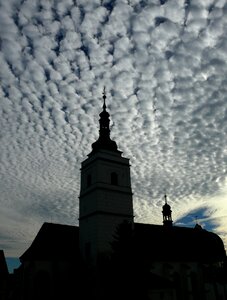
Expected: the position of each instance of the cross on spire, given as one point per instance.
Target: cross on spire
(165, 197)
(104, 98)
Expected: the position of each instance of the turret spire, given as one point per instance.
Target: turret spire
(104, 98)
(104, 141)
(165, 197)
(167, 213)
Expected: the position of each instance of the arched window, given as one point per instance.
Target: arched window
(114, 178)
(89, 180)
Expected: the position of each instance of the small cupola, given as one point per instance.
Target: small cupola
(167, 214)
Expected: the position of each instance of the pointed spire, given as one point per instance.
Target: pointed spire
(104, 98)
(104, 141)
(165, 197)
(104, 120)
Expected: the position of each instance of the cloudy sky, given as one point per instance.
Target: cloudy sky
(164, 65)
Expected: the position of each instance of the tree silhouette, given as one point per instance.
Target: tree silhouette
(125, 275)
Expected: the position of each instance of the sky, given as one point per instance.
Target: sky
(164, 66)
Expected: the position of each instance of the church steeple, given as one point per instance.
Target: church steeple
(104, 120)
(105, 195)
(104, 98)
(104, 141)
(167, 213)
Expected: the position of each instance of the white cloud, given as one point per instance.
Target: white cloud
(164, 68)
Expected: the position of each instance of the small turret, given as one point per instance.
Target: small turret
(167, 214)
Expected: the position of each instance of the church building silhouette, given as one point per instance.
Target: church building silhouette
(109, 256)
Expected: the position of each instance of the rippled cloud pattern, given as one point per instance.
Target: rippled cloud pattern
(164, 66)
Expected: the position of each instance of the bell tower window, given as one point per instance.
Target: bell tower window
(114, 178)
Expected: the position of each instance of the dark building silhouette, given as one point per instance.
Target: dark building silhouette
(109, 256)
(4, 277)
(51, 263)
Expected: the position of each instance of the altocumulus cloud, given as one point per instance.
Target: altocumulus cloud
(164, 67)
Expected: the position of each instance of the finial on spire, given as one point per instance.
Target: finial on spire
(104, 98)
(165, 197)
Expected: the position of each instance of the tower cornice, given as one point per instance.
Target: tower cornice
(107, 156)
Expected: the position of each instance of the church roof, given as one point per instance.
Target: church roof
(163, 243)
(153, 242)
(54, 241)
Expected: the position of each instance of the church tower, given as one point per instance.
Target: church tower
(105, 195)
